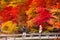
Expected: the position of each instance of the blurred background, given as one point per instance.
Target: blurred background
(14, 14)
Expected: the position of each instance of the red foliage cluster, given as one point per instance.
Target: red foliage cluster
(9, 13)
(42, 16)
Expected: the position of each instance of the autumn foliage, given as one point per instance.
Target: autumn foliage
(29, 13)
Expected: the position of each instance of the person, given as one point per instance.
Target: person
(24, 31)
(40, 29)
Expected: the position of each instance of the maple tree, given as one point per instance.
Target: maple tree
(29, 12)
